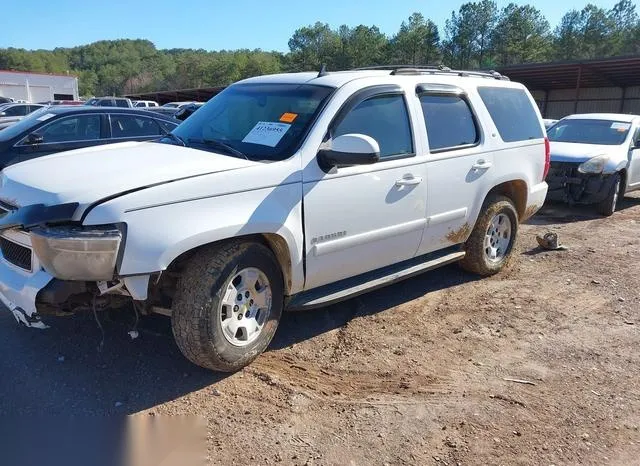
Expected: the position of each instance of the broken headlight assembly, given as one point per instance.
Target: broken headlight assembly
(594, 165)
(78, 253)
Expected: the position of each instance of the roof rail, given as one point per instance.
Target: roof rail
(433, 69)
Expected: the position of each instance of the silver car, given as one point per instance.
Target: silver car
(12, 113)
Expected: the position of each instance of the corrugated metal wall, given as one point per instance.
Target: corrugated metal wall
(562, 102)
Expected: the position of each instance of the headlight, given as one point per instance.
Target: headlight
(78, 253)
(594, 165)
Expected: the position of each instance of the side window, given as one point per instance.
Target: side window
(105, 103)
(77, 128)
(512, 112)
(121, 103)
(33, 108)
(385, 119)
(166, 125)
(450, 122)
(18, 110)
(130, 126)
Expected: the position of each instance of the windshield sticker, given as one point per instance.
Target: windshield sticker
(267, 133)
(620, 126)
(45, 117)
(288, 117)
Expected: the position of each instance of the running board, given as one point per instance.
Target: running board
(352, 287)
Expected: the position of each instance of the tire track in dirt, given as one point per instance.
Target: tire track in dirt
(292, 376)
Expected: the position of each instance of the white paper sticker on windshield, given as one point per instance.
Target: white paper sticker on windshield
(45, 117)
(267, 133)
(620, 126)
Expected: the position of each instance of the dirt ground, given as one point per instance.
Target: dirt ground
(412, 374)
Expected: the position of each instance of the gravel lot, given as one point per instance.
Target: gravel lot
(411, 374)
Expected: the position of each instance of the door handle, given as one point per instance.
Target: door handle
(409, 181)
(482, 165)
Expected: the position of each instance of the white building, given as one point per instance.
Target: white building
(38, 87)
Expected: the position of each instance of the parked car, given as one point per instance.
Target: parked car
(595, 159)
(5, 100)
(63, 102)
(59, 128)
(12, 113)
(109, 102)
(186, 111)
(167, 111)
(177, 104)
(397, 172)
(145, 103)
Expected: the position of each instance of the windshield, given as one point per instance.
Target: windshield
(170, 105)
(261, 121)
(24, 124)
(602, 132)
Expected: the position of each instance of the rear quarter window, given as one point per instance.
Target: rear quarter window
(512, 112)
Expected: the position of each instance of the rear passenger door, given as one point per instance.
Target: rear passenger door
(126, 127)
(459, 164)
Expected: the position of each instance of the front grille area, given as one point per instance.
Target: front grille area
(15, 253)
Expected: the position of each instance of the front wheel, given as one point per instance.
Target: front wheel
(608, 206)
(227, 306)
(489, 247)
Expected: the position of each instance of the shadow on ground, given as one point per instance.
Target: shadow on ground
(60, 370)
(559, 213)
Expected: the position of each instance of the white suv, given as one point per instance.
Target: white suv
(287, 191)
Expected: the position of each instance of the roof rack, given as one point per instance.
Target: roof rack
(433, 69)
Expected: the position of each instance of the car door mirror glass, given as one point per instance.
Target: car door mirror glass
(350, 149)
(3, 114)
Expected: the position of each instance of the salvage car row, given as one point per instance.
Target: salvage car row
(293, 191)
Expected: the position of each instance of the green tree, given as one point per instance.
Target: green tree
(417, 42)
(468, 35)
(625, 29)
(522, 35)
(312, 46)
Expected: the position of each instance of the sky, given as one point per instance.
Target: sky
(217, 25)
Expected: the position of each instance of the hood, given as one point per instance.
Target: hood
(576, 152)
(88, 175)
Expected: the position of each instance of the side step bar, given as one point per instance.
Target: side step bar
(352, 287)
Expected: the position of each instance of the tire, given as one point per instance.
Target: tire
(202, 318)
(608, 206)
(480, 245)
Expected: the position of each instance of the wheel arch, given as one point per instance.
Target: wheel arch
(517, 191)
(276, 243)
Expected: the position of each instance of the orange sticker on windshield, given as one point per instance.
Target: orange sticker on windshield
(288, 117)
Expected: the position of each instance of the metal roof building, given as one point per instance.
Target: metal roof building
(180, 95)
(609, 85)
(38, 87)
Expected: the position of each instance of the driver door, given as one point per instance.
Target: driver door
(66, 133)
(362, 218)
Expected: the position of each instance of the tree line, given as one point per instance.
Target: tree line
(478, 35)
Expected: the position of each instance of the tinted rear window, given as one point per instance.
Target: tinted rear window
(512, 112)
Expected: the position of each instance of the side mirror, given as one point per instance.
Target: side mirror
(3, 114)
(350, 149)
(35, 139)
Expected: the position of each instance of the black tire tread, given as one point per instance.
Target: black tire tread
(190, 317)
(604, 207)
(474, 260)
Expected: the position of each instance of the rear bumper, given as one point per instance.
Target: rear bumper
(19, 287)
(535, 200)
(567, 184)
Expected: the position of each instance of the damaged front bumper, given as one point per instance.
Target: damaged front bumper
(21, 278)
(567, 184)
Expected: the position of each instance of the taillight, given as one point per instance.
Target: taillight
(547, 158)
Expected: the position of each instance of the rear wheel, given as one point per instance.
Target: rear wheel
(228, 305)
(608, 206)
(489, 247)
